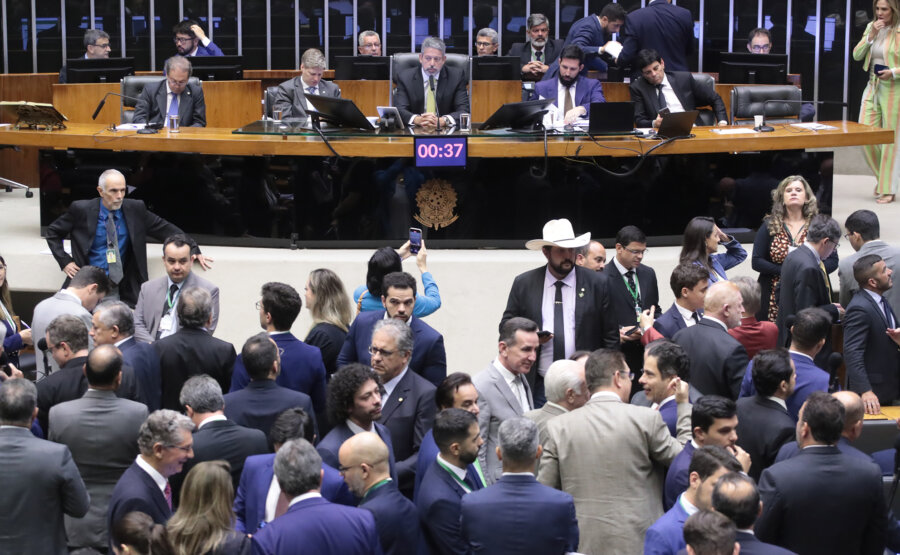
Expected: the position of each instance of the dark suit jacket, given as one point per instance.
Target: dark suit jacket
(664, 27)
(809, 378)
(331, 443)
(823, 501)
(189, 352)
(80, 224)
(677, 477)
(428, 357)
(396, 519)
(250, 496)
(290, 96)
(587, 91)
(260, 403)
(622, 304)
(718, 361)
(143, 358)
(872, 358)
(329, 339)
(428, 452)
(439, 502)
(41, 484)
(790, 449)
(689, 92)
(151, 106)
(750, 545)
(319, 527)
(587, 34)
(136, 491)
(670, 322)
(492, 519)
(595, 327)
(408, 414)
(451, 95)
(523, 50)
(763, 427)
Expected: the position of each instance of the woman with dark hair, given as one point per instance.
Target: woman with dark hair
(137, 534)
(14, 338)
(329, 305)
(204, 522)
(702, 238)
(387, 260)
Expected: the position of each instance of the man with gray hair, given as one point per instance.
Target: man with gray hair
(165, 444)
(566, 391)
(432, 95)
(488, 525)
(408, 401)
(174, 95)
(215, 437)
(805, 283)
(369, 44)
(96, 46)
(486, 42)
(311, 521)
(290, 95)
(192, 350)
(41, 482)
(539, 51)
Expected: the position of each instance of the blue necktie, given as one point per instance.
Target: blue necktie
(311, 90)
(173, 107)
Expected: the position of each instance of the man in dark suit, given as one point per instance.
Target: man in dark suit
(428, 358)
(492, 520)
(864, 235)
(165, 444)
(735, 496)
(677, 91)
(252, 503)
(133, 224)
(192, 350)
(113, 324)
(572, 93)
(585, 321)
(96, 46)
(718, 361)
(260, 403)
(665, 362)
(822, 501)
(439, 496)
(302, 368)
(632, 290)
(432, 95)
(311, 521)
(854, 417)
(871, 336)
(408, 400)
(290, 96)
(593, 35)
(689, 283)
(172, 96)
(804, 282)
(215, 437)
(101, 430)
(764, 424)
(364, 466)
(663, 27)
(539, 51)
(42, 482)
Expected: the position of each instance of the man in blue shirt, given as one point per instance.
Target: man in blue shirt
(190, 40)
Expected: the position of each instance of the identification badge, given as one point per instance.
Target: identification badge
(110, 256)
(166, 323)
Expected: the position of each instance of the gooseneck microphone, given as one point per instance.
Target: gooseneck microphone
(103, 102)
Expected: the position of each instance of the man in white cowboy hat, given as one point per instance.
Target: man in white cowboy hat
(569, 301)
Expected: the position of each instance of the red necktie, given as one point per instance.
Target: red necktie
(168, 493)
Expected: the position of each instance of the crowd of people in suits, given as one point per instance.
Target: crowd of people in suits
(710, 423)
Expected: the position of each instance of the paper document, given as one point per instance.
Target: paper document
(613, 48)
(738, 131)
(130, 126)
(814, 126)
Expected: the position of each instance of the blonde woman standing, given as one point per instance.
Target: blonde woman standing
(880, 46)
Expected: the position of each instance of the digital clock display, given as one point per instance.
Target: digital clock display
(439, 152)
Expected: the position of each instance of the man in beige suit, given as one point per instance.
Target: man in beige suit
(608, 456)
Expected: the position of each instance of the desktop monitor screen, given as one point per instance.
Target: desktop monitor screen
(746, 68)
(496, 68)
(217, 68)
(518, 115)
(340, 112)
(374, 68)
(98, 70)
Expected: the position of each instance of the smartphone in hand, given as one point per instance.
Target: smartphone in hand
(415, 240)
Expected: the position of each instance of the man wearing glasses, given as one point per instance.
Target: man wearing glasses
(760, 42)
(369, 44)
(96, 45)
(486, 42)
(173, 96)
(190, 40)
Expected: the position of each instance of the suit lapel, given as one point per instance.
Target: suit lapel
(92, 214)
(679, 88)
(398, 396)
(505, 390)
(582, 299)
(874, 306)
(442, 89)
(183, 100)
(418, 91)
(162, 101)
(536, 301)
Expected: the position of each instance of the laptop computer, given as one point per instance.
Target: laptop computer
(677, 124)
(611, 118)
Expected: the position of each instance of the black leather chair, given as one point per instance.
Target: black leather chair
(747, 102)
(705, 116)
(269, 100)
(132, 86)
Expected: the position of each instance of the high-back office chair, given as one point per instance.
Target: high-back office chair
(269, 100)
(405, 60)
(705, 116)
(747, 102)
(132, 86)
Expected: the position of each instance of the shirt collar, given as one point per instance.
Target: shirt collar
(664, 401)
(685, 313)
(810, 246)
(425, 76)
(550, 280)
(408, 322)
(391, 384)
(665, 81)
(119, 342)
(507, 375)
(213, 418)
(168, 88)
(460, 472)
(271, 333)
(798, 353)
(519, 474)
(170, 283)
(716, 320)
(71, 294)
(356, 429)
(306, 86)
(875, 296)
(304, 497)
(688, 507)
(606, 395)
(158, 478)
(622, 269)
(557, 405)
(778, 400)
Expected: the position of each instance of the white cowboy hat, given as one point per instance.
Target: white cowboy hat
(559, 233)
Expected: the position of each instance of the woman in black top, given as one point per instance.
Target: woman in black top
(329, 304)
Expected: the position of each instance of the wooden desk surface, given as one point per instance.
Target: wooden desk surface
(887, 413)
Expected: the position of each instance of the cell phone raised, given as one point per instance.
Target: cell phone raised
(415, 240)
(543, 334)
(635, 329)
(663, 111)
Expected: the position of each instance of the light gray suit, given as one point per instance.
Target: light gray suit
(40, 484)
(47, 310)
(496, 403)
(290, 99)
(891, 256)
(101, 431)
(609, 456)
(149, 308)
(542, 415)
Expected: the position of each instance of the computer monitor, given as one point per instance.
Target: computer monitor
(98, 70)
(217, 68)
(338, 111)
(519, 116)
(496, 68)
(746, 68)
(373, 68)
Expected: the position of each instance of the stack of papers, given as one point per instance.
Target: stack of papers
(813, 126)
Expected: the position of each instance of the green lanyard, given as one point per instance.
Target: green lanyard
(635, 294)
(171, 300)
(462, 483)
(374, 487)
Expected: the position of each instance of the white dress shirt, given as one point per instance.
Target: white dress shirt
(515, 385)
(391, 384)
(672, 101)
(158, 478)
(686, 315)
(547, 303)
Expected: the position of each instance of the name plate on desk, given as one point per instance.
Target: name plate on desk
(441, 152)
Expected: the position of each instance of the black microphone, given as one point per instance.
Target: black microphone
(432, 87)
(768, 128)
(103, 101)
(42, 344)
(834, 362)
(788, 324)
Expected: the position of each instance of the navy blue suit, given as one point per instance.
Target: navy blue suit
(873, 359)
(439, 500)
(428, 452)
(260, 403)
(665, 536)
(670, 322)
(250, 499)
(790, 449)
(809, 378)
(142, 357)
(492, 519)
(664, 27)
(428, 357)
(763, 427)
(302, 370)
(586, 92)
(408, 413)
(330, 445)
(677, 478)
(319, 527)
(396, 519)
(587, 34)
(136, 491)
(669, 413)
(751, 545)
